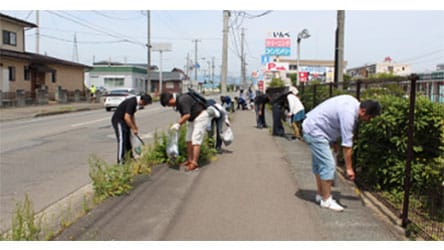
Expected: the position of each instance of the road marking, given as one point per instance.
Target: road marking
(142, 136)
(89, 122)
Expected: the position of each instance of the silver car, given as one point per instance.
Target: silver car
(116, 96)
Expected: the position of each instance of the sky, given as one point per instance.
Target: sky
(408, 33)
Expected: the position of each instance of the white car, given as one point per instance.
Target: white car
(115, 96)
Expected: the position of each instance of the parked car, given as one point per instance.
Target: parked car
(115, 96)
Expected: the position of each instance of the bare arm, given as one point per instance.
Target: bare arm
(184, 118)
(347, 151)
(131, 123)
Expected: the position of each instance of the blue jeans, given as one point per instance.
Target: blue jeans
(323, 162)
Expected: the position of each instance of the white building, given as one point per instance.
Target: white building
(387, 66)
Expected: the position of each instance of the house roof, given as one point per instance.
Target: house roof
(174, 75)
(39, 59)
(23, 23)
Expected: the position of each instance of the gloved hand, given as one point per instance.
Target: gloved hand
(176, 126)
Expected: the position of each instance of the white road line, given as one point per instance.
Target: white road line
(89, 122)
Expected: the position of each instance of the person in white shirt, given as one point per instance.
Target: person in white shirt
(296, 112)
(334, 118)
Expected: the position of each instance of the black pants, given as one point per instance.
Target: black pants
(260, 119)
(278, 128)
(218, 124)
(123, 141)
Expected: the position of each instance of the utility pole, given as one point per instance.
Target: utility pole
(37, 34)
(195, 41)
(339, 48)
(223, 81)
(187, 71)
(75, 52)
(243, 81)
(212, 70)
(148, 45)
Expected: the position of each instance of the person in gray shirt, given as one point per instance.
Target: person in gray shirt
(334, 118)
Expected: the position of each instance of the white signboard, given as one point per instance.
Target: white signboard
(277, 66)
(161, 46)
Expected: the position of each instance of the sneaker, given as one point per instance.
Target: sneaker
(331, 204)
(318, 198)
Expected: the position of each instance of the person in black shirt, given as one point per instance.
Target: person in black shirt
(259, 104)
(195, 113)
(124, 123)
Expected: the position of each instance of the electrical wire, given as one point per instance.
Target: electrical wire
(114, 17)
(96, 28)
(82, 42)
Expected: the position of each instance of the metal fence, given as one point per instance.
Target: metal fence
(421, 211)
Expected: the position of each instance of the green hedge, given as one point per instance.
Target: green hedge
(381, 148)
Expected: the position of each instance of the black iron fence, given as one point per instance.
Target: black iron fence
(412, 185)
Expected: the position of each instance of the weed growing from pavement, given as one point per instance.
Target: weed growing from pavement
(25, 225)
(114, 180)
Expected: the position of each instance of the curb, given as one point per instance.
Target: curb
(368, 199)
(61, 214)
(60, 112)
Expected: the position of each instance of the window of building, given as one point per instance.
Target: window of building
(53, 76)
(9, 38)
(390, 69)
(26, 73)
(11, 70)
(113, 82)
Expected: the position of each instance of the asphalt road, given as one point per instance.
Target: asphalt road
(47, 157)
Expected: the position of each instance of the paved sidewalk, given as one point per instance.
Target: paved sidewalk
(31, 111)
(261, 188)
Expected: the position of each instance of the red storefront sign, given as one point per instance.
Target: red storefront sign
(278, 42)
(303, 76)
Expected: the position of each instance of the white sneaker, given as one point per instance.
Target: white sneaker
(331, 204)
(318, 198)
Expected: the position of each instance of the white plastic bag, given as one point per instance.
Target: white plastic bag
(227, 136)
(136, 145)
(172, 148)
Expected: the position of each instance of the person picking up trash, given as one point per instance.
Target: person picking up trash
(195, 114)
(124, 123)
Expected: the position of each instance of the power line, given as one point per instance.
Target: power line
(421, 56)
(97, 28)
(114, 17)
(256, 16)
(83, 42)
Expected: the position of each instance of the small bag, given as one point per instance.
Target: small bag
(227, 136)
(136, 145)
(172, 148)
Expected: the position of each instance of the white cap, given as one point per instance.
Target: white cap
(294, 90)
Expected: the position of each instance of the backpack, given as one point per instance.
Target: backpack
(201, 99)
(198, 98)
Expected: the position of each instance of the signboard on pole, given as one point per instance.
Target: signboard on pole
(276, 66)
(161, 46)
(278, 44)
(265, 59)
(277, 51)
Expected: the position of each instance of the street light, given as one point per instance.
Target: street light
(302, 35)
(161, 47)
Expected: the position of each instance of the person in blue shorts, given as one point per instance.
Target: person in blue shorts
(334, 118)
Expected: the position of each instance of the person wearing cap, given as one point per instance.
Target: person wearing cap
(332, 119)
(296, 111)
(124, 123)
(197, 118)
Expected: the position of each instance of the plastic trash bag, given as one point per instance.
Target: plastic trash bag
(136, 145)
(227, 136)
(172, 148)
